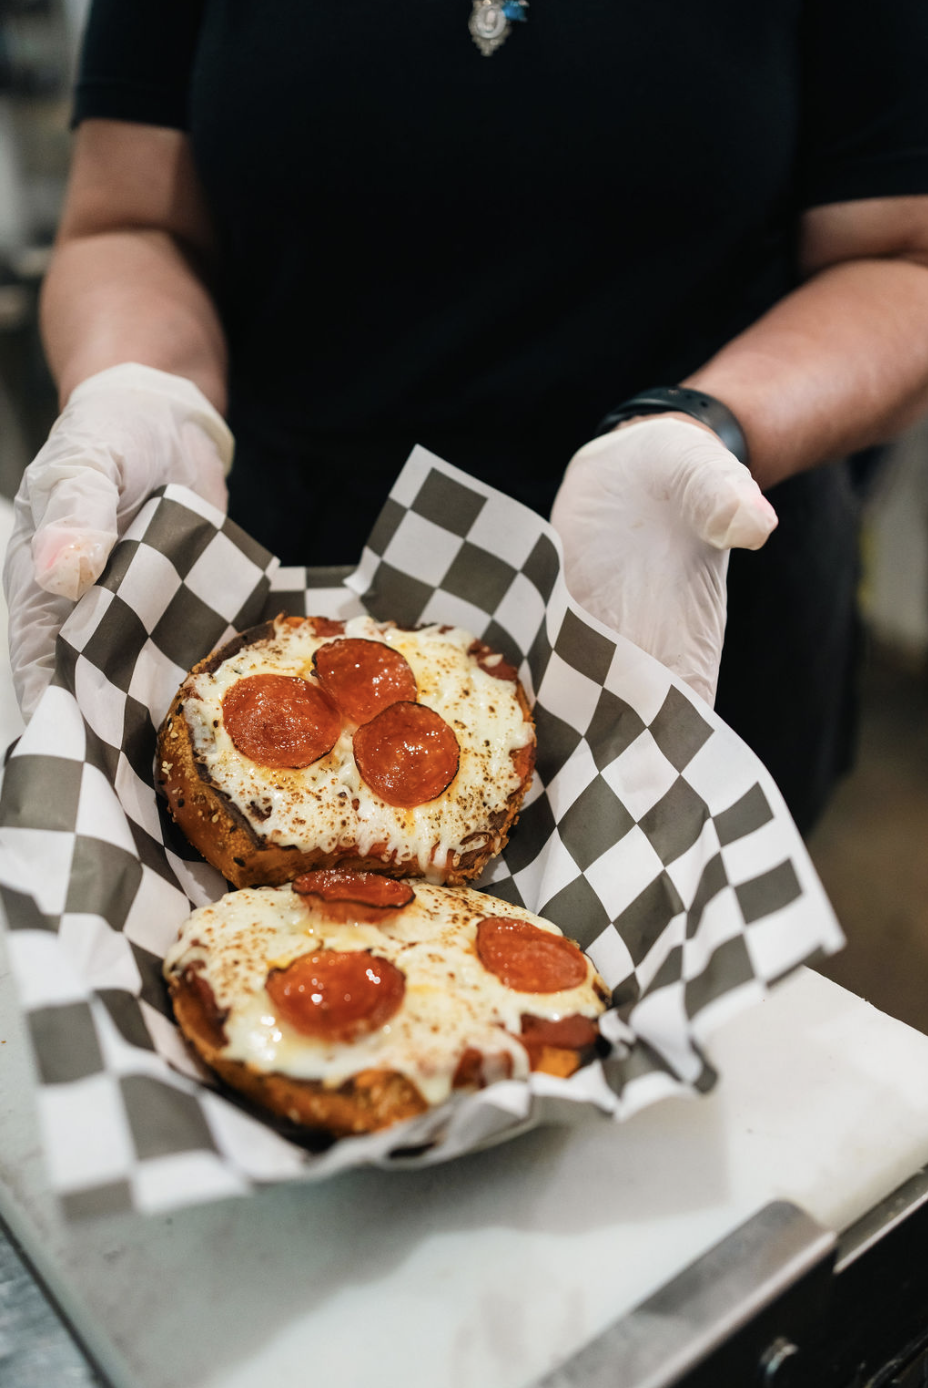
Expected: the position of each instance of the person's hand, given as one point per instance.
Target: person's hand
(123, 433)
(647, 515)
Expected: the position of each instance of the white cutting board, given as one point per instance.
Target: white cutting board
(489, 1271)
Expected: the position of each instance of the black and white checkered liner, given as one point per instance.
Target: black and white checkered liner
(651, 835)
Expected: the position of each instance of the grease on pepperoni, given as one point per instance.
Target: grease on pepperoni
(280, 720)
(363, 677)
(337, 995)
(528, 959)
(354, 896)
(408, 754)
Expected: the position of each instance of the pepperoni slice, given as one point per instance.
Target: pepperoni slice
(573, 1033)
(475, 1070)
(326, 626)
(492, 663)
(280, 720)
(319, 626)
(363, 677)
(207, 1018)
(558, 1047)
(355, 896)
(408, 754)
(336, 995)
(339, 884)
(527, 958)
(523, 761)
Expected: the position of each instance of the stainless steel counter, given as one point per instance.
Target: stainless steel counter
(36, 1350)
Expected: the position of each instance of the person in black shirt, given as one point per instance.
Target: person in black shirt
(351, 234)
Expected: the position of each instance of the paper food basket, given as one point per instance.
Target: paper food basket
(651, 835)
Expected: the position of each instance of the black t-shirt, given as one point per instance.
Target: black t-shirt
(484, 255)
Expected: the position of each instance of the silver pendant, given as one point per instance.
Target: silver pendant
(489, 22)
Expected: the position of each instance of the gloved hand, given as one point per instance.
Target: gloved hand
(647, 515)
(123, 433)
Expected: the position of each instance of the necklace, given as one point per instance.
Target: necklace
(490, 20)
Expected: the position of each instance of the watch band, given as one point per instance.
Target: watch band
(696, 403)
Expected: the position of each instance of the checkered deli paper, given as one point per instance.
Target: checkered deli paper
(651, 835)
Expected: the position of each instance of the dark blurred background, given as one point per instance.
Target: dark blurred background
(872, 846)
(38, 41)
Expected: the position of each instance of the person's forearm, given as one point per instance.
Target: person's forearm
(837, 365)
(132, 295)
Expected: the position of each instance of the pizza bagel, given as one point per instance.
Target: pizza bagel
(346, 1002)
(308, 743)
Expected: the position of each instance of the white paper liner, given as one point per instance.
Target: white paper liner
(652, 835)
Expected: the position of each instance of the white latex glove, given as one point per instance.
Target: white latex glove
(647, 515)
(123, 433)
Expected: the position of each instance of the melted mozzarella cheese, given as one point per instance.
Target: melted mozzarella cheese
(451, 1001)
(327, 805)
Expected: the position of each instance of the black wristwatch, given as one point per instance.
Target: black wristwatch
(703, 407)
